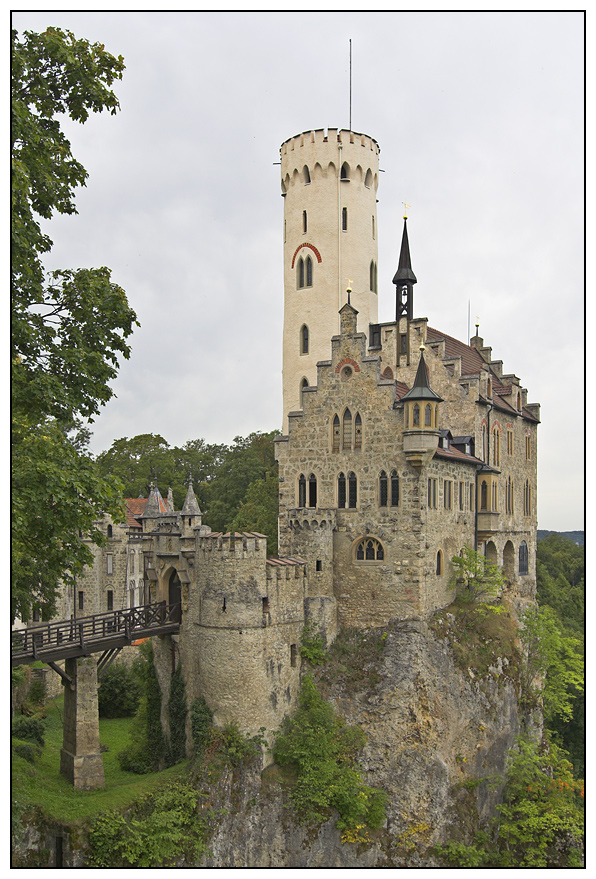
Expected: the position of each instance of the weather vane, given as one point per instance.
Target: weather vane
(406, 206)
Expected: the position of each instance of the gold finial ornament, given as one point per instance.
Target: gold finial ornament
(406, 206)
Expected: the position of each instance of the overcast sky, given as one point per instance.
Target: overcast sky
(480, 121)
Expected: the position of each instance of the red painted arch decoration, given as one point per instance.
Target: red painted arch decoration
(312, 247)
(347, 361)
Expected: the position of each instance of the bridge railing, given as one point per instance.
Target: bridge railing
(85, 631)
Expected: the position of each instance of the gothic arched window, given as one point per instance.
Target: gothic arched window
(345, 172)
(394, 489)
(306, 175)
(416, 415)
(369, 549)
(358, 431)
(308, 271)
(439, 568)
(335, 434)
(341, 491)
(483, 495)
(300, 274)
(427, 416)
(303, 384)
(382, 489)
(352, 490)
(523, 557)
(301, 490)
(347, 430)
(312, 490)
(110, 531)
(304, 339)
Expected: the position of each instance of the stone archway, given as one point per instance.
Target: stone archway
(509, 561)
(490, 553)
(175, 594)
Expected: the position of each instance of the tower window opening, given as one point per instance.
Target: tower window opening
(303, 384)
(306, 175)
(357, 432)
(308, 271)
(404, 343)
(293, 655)
(373, 277)
(341, 491)
(335, 436)
(383, 489)
(304, 221)
(394, 489)
(344, 219)
(312, 490)
(110, 531)
(352, 490)
(483, 495)
(373, 227)
(318, 565)
(81, 600)
(302, 490)
(300, 273)
(110, 604)
(345, 172)
(523, 557)
(427, 416)
(304, 339)
(496, 447)
(416, 415)
(439, 568)
(266, 605)
(368, 179)
(347, 430)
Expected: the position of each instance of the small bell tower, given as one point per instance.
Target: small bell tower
(404, 280)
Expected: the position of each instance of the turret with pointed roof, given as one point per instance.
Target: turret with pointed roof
(191, 505)
(404, 278)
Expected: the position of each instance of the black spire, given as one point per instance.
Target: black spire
(421, 389)
(404, 279)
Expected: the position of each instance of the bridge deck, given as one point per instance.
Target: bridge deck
(84, 635)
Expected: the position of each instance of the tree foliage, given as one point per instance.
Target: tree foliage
(69, 327)
(322, 750)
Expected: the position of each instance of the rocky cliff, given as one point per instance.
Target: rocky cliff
(437, 735)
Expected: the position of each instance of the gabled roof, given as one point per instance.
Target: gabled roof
(471, 360)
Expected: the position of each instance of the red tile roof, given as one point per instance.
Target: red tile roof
(471, 360)
(455, 454)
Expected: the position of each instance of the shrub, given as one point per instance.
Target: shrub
(177, 712)
(312, 646)
(37, 691)
(201, 721)
(233, 746)
(321, 749)
(32, 729)
(119, 692)
(27, 751)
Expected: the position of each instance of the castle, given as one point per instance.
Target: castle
(400, 446)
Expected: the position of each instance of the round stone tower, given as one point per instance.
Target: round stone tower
(329, 183)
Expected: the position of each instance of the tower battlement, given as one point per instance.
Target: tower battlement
(331, 136)
(217, 546)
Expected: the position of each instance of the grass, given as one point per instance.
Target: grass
(354, 657)
(40, 784)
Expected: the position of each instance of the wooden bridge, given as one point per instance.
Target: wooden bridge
(102, 632)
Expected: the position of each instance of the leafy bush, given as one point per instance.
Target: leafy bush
(161, 829)
(322, 750)
(119, 692)
(27, 751)
(177, 711)
(37, 691)
(32, 729)
(312, 646)
(201, 721)
(231, 745)
(146, 749)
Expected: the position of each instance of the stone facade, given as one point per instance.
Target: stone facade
(80, 759)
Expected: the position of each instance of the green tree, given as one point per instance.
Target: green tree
(541, 821)
(260, 508)
(553, 667)
(69, 328)
(479, 584)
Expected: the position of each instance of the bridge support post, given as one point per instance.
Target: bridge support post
(80, 759)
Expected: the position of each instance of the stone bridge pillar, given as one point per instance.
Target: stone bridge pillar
(80, 760)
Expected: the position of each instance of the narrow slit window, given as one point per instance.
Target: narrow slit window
(301, 490)
(383, 489)
(300, 273)
(304, 221)
(394, 489)
(336, 432)
(341, 491)
(358, 431)
(308, 271)
(344, 219)
(312, 490)
(304, 339)
(352, 490)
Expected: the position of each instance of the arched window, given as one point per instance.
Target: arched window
(496, 447)
(394, 489)
(523, 557)
(301, 490)
(427, 416)
(483, 442)
(304, 339)
(110, 531)
(347, 430)
(439, 568)
(344, 219)
(368, 179)
(341, 491)
(358, 431)
(416, 415)
(306, 174)
(373, 276)
(382, 489)
(304, 222)
(483, 495)
(312, 490)
(494, 497)
(335, 434)
(489, 388)
(352, 490)
(308, 271)
(300, 274)
(369, 549)
(345, 172)
(303, 384)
